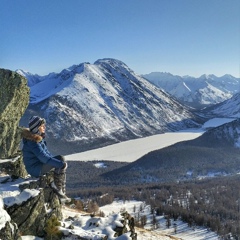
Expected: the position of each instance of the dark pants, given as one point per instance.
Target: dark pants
(47, 168)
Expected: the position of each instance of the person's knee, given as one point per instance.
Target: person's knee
(64, 167)
(60, 157)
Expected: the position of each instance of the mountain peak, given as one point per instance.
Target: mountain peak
(207, 76)
(111, 61)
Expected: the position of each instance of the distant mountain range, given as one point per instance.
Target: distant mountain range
(91, 105)
(199, 92)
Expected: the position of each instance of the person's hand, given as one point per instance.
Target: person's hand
(64, 166)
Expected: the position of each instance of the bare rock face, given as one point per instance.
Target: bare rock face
(9, 232)
(14, 98)
(8, 229)
(28, 212)
(31, 215)
(14, 166)
(128, 223)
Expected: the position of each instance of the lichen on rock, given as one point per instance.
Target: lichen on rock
(14, 98)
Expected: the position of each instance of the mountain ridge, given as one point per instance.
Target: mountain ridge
(227, 108)
(199, 92)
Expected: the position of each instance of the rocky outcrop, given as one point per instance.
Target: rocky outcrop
(14, 98)
(127, 225)
(14, 166)
(29, 210)
(35, 202)
(8, 229)
(119, 226)
(31, 215)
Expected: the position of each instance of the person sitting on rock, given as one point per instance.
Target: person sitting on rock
(39, 161)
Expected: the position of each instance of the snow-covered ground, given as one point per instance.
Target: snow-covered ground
(132, 150)
(182, 229)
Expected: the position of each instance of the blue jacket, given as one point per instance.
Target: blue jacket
(35, 154)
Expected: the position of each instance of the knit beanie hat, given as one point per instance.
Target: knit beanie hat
(34, 123)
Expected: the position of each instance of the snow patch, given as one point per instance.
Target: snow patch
(100, 165)
(22, 197)
(4, 217)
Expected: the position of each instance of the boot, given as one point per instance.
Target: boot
(63, 197)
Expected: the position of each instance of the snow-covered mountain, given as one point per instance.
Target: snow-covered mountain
(32, 78)
(102, 103)
(228, 108)
(199, 92)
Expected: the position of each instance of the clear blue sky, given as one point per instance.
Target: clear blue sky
(183, 37)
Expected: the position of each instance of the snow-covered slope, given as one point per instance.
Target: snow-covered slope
(32, 78)
(197, 92)
(228, 108)
(103, 102)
